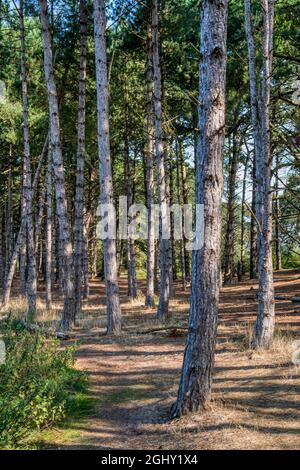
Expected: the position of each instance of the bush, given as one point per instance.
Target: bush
(38, 384)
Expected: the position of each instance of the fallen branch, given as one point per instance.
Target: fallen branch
(164, 328)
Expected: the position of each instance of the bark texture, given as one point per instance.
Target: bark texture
(79, 194)
(106, 186)
(164, 291)
(68, 315)
(260, 108)
(229, 264)
(149, 173)
(197, 371)
(31, 287)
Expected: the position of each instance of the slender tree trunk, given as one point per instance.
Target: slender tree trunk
(94, 249)
(231, 207)
(1, 248)
(38, 226)
(79, 196)
(31, 287)
(150, 174)
(164, 293)
(171, 199)
(68, 315)
(20, 237)
(48, 254)
(168, 199)
(277, 212)
(179, 201)
(9, 218)
(265, 322)
(196, 376)
(131, 262)
(106, 185)
(156, 267)
(85, 260)
(185, 201)
(241, 270)
(253, 226)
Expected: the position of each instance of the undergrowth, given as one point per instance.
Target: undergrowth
(39, 385)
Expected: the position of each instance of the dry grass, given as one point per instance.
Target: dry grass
(255, 399)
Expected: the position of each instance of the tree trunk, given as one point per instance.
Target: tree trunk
(85, 259)
(9, 218)
(265, 321)
(164, 292)
(1, 249)
(149, 302)
(277, 217)
(20, 237)
(168, 200)
(79, 196)
(48, 254)
(179, 201)
(68, 315)
(185, 201)
(253, 227)
(196, 376)
(31, 287)
(231, 206)
(130, 251)
(105, 172)
(241, 270)
(171, 199)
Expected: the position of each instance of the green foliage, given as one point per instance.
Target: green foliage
(290, 260)
(38, 384)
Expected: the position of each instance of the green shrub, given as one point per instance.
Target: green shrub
(38, 384)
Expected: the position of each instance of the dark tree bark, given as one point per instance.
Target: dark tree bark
(197, 371)
(79, 195)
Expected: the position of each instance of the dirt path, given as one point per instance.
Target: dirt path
(134, 379)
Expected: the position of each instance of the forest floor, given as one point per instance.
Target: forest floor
(134, 378)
